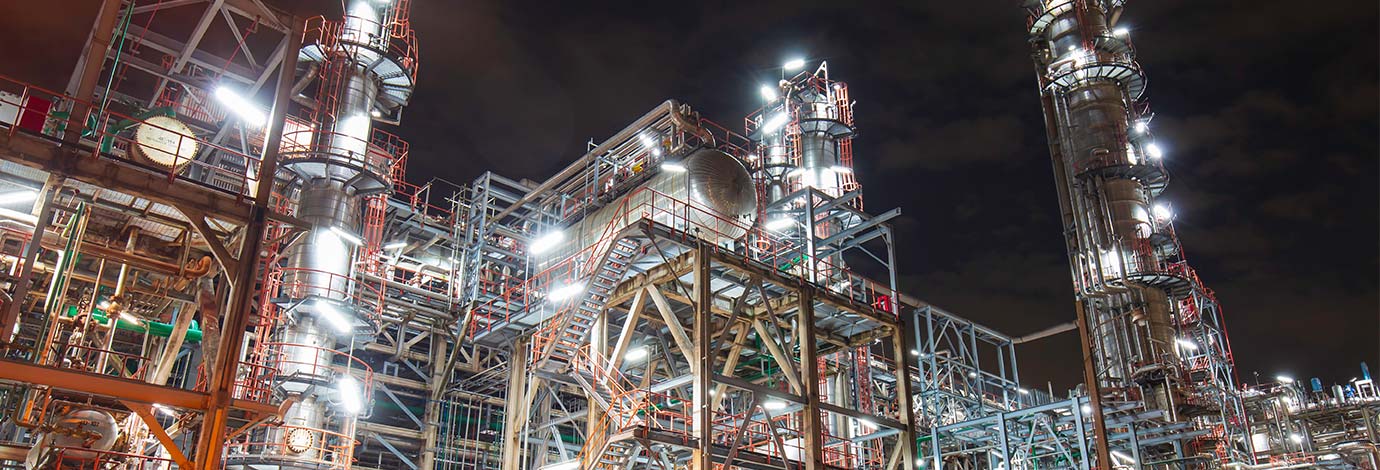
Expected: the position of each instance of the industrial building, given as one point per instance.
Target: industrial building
(214, 258)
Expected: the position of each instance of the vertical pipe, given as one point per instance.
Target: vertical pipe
(9, 319)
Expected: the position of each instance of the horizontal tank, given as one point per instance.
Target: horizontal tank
(721, 197)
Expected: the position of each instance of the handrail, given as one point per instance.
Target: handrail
(103, 137)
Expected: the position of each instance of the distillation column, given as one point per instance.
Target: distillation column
(1108, 175)
(365, 67)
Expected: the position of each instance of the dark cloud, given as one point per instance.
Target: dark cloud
(1268, 110)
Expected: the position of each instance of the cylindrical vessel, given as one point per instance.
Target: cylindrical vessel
(713, 197)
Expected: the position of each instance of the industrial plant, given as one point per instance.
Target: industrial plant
(214, 257)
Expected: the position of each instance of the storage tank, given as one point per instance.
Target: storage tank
(709, 193)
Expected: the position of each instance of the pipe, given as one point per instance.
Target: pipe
(668, 107)
(1045, 333)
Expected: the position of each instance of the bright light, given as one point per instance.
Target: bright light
(778, 225)
(972, 375)
(1023, 391)
(1154, 150)
(656, 152)
(164, 410)
(565, 292)
(327, 311)
(774, 405)
(1162, 212)
(840, 169)
(635, 354)
(1284, 379)
(920, 462)
(350, 397)
(768, 93)
(793, 64)
(673, 167)
(1186, 345)
(1086, 409)
(1141, 127)
(546, 242)
(347, 236)
(375, 113)
(397, 245)
(105, 305)
(647, 140)
(1295, 438)
(1121, 32)
(775, 122)
(915, 352)
(1122, 456)
(18, 196)
(247, 112)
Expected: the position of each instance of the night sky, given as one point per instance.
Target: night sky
(1267, 110)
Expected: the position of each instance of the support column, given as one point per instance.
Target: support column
(703, 363)
(810, 425)
(211, 441)
(520, 394)
(1104, 455)
(97, 48)
(901, 344)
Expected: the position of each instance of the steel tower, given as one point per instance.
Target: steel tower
(1152, 332)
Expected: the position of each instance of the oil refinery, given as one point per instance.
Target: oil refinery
(214, 257)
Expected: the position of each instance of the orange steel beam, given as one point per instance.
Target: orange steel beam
(145, 412)
(100, 385)
(117, 388)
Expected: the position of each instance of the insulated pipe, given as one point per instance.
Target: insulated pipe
(669, 107)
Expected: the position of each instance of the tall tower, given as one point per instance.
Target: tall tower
(1153, 332)
(341, 168)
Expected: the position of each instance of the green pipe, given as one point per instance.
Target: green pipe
(159, 329)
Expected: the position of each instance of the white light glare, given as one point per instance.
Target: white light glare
(326, 310)
(972, 375)
(1186, 345)
(778, 225)
(1295, 438)
(793, 64)
(920, 462)
(350, 397)
(1154, 150)
(1023, 391)
(397, 245)
(673, 167)
(1162, 212)
(775, 123)
(774, 405)
(1122, 456)
(768, 93)
(546, 242)
(1121, 32)
(164, 410)
(347, 236)
(647, 140)
(840, 169)
(635, 354)
(1141, 127)
(18, 196)
(565, 292)
(1086, 409)
(1284, 379)
(247, 112)
(915, 352)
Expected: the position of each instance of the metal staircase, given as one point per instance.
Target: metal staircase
(569, 329)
